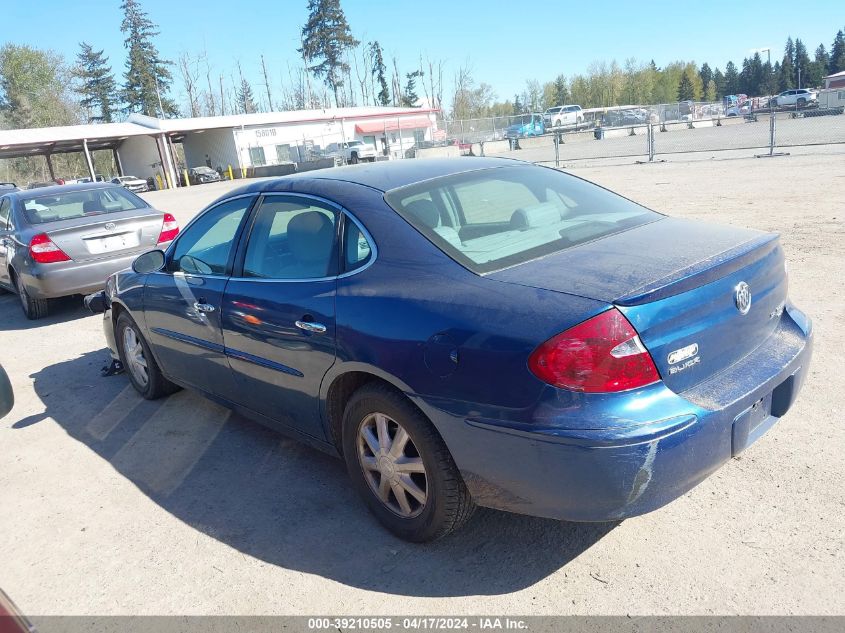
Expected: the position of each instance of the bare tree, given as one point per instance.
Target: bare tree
(397, 83)
(267, 85)
(210, 99)
(189, 71)
(222, 97)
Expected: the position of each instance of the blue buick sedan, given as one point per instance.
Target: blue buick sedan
(472, 332)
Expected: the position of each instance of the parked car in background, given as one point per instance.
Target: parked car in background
(86, 179)
(472, 332)
(621, 118)
(66, 240)
(136, 185)
(38, 184)
(6, 187)
(799, 98)
(526, 125)
(202, 174)
(563, 115)
(352, 151)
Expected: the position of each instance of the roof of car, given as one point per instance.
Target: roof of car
(387, 175)
(58, 189)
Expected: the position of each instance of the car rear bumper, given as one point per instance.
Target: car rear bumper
(48, 281)
(653, 448)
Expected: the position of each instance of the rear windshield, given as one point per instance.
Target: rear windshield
(78, 204)
(490, 219)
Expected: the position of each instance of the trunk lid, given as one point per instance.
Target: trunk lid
(106, 235)
(676, 281)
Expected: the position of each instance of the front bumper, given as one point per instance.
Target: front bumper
(604, 457)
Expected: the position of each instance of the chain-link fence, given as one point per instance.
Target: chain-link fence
(757, 127)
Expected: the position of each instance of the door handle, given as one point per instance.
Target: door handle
(203, 307)
(308, 326)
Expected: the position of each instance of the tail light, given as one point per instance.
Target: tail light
(169, 228)
(44, 251)
(602, 354)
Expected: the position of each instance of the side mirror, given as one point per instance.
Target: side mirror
(150, 262)
(7, 396)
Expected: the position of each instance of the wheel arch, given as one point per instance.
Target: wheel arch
(339, 386)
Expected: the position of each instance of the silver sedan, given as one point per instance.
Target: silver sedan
(66, 240)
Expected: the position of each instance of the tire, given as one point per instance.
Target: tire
(32, 308)
(156, 385)
(354, 158)
(774, 103)
(447, 504)
(802, 102)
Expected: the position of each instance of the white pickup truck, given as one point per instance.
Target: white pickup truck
(352, 151)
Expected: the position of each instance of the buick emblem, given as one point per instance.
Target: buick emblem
(109, 226)
(742, 297)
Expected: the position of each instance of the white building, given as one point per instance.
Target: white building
(144, 146)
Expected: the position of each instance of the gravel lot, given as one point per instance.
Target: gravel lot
(114, 505)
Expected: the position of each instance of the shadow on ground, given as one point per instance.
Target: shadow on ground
(284, 503)
(61, 310)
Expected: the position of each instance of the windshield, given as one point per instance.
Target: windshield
(494, 218)
(553, 110)
(78, 204)
(204, 170)
(355, 143)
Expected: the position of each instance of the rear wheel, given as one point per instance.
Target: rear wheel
(354, 158)
(32, 308)
(802, 102)
(138, 361)
(401, 467)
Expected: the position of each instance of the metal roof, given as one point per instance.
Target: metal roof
(68, 138)
(196, 124)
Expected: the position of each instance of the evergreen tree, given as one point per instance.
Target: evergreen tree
(818, 67)
(731, 79)
(710, 91)
(837, 54)
(325, 39)
(378, 71)
(517, 105)
(685, 89)
(147, 78)
(98, 88)
(410, 98)
(246, 98)
(719, 79)
(706, 74)
(561, 90)
(802, 64)
(786, 79)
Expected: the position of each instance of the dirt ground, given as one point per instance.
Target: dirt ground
(114, 505)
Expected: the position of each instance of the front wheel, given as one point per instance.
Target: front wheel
(141, 367)
(354, 159)
(802, 103)
(401, 467)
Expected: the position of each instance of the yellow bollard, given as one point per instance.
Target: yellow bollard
(231, 175)
(187, 178)
(158, 182)
(243, 172)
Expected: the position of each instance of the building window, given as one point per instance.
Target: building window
(283, 153)
(419, 136)
(371, 140)
(256, 156)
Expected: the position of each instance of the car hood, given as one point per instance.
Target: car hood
(664, 257)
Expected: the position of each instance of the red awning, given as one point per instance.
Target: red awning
(393, 124)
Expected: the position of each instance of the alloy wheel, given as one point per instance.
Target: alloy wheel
(392, 465)
(133, 352)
